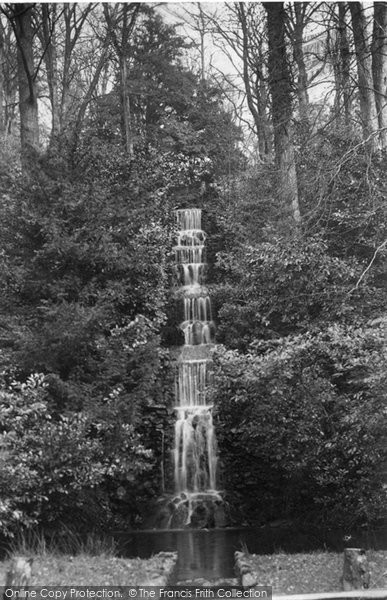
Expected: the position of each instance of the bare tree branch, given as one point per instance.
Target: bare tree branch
(378, 249)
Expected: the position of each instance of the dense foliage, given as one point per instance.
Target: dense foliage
(302, 419)
(87, 388)
(85, 283)
(56, 468)
(301, 370)
(88, 323)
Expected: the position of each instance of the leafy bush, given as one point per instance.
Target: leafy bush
(53, 468)
(304, 420)
(288, 286)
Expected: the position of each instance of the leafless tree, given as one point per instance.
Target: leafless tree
(121, 21)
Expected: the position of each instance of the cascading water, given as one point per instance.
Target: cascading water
(197, 501)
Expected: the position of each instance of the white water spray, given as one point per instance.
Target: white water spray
(195, 452)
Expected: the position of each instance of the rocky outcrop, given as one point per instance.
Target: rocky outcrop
(244, 570)
(192, 510)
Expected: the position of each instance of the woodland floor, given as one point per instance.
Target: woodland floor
(287, 573)
(313, 572)
(84, 570)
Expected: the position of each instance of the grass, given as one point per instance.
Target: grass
(70, 559)
(83, 570)
(313, 572)
(32, 543)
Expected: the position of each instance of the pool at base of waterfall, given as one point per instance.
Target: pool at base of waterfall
(208, 555)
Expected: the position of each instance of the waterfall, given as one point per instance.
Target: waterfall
(195, 451)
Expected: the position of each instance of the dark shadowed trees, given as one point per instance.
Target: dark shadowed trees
(368, 114)
(2, 78)
(121, 21)
(282, 111)
(47, 18)
(298, 15)
(254, 75)
(20, 16)
(344, 67)
(379, 67)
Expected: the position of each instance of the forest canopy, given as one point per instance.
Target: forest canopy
(271, 118)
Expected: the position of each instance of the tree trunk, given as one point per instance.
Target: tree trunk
(247, 81)
(126, 116)
(298, 53)
(280, 87)
(65, 79)
(49, 49)
(127, 21)
(9, 67)
(28, 101)
(104, 80)
(356, 575)
(345, 58)
(255, 101)
(2, 82)
(379, 67)
(263, 103)
(202, 33)
(74, 16)
(369, 118)
(338, 48)
(334, 54)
